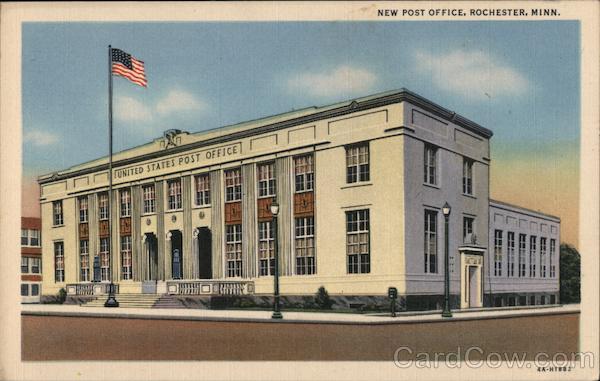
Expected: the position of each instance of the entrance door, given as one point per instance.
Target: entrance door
(176, 255)
(204, 253)
(152, 243)
(473, 294)
(96, 268)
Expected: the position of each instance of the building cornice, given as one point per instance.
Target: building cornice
(349, 107)
(520, 209)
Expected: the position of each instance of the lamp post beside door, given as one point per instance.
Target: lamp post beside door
(446, 209)
(274, 211)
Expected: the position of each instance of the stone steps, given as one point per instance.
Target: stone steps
(127, 301)
(167, 301)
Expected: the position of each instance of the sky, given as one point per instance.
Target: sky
(521, 79)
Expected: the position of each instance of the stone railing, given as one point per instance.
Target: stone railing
(209, 287)
(89, 289)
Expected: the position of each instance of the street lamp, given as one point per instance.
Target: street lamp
(274, 211)
(446, 209)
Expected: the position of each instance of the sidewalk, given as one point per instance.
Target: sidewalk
(290, 317)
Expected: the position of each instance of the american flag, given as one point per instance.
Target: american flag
(125, 65)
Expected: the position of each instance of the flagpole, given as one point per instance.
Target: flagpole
(111, 301)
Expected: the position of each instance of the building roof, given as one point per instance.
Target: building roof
(272, 123)
(520, 209)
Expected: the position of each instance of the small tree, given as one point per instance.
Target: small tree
(62, 295)
(322, 299)
(570, 278)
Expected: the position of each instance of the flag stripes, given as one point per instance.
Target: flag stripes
(129, 67)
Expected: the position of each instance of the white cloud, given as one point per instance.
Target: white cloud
(179, 101)
(471, 74)
(339, 81)
(128, 109)
(40, 138)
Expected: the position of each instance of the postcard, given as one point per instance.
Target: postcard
(329, 190)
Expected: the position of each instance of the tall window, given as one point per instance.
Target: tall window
(543, 257)
(202, 183)
(522, 247)
(57, 210)
(36, 265)
(304, 173)
(511, 253)
(125, 203)
(266, 180)
(532, 254)
(59, 262)
(305, 245)
(34, 236)
(126, 257)
(430, 249)
(430, 160)
(83, 209)
(103, 206)
(149, 199)
(104, 259)
(233, 250)
(357, 242)
(174, 194)
(233, 185)
(467, 229)
(266, 246)
(498, 253)
(24, 265)
(357, 163)
(467, 176)
(552, 258)
(24, 237)
(84, 260)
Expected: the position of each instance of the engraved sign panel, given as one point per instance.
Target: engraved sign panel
(125, 226)
(264, 209)
(304, 204)
(84, 231)
(103, 228)
(233, 213)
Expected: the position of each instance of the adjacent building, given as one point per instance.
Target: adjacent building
(360, 185)
(31, 260)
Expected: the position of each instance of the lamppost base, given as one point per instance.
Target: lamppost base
(111, 302)
(277, 315)
(446, 314)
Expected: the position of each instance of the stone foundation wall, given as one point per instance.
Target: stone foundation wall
(520, 299)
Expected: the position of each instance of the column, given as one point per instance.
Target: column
(115, 253)
(92, 230)
(195, 264)
(249, 221)
(168, 247)
(143, 260)
(217, 223)
(136, 231)
(188, 258)
(283, 168)
(160, 227)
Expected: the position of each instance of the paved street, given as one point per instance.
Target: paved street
(76, 333)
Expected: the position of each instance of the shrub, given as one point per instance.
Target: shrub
(62, 295)
(322, 299)
(247, 303)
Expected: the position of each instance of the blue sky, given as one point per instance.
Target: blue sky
(520, 79)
